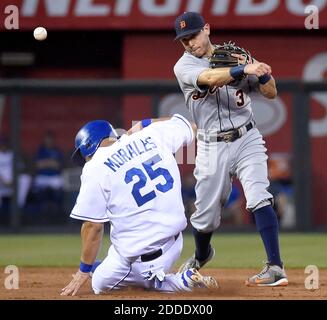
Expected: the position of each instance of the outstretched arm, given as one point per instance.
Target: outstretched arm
(141, 124)
(144, 123)
(222, 76)
(215, 77)
(91, 234)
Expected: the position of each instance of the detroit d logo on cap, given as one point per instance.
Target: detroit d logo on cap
(182, 24)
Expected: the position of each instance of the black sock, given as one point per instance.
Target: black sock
(267, 224)
(202, 244)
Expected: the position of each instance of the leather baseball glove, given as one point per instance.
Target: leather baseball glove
(222, 56)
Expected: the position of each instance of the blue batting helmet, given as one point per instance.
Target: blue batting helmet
(89, 137)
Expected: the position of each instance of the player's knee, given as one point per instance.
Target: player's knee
(96, 291)
(97, 286)
(257, 204)
(209, 225)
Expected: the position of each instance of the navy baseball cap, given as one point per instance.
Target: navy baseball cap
(188, 23)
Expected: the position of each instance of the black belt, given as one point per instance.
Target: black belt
(228, 136)
(154, 255)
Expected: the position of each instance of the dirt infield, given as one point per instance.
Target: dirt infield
(45, 283)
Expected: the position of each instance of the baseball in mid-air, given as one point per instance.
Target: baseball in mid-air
(40, 33)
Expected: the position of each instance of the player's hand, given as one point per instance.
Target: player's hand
(258, 69)
(242, 59)
(79, 278)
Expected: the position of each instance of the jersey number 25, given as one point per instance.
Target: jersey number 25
(152, 173)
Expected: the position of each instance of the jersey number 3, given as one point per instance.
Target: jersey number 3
(131, 173)
(240, 98)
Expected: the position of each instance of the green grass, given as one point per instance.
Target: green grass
(232, 250)
(247, 251)
(42, 250)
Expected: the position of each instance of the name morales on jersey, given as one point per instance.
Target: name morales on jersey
(128, 152)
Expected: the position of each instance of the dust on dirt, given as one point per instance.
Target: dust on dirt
(46, 284)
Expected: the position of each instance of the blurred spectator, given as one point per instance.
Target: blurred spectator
(48, 181)
(6, 179)
(232, 211)
(281, 187)
(6, 176)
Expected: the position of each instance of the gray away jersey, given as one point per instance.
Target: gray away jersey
(215, 108)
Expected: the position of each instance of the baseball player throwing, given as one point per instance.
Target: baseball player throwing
(228, 144)
(132, 182)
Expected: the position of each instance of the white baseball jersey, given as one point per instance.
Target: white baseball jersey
(135, 184)
(218, 108)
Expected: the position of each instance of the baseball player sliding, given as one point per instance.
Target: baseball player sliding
(132, 182)
(229, 144)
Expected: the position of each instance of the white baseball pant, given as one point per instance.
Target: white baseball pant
(216, 164)
(117, 272)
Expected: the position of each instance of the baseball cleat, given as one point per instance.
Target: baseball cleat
(192, 278)
(270, 276)
(195, 263)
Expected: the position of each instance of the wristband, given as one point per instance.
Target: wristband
(237, 72)
(264, 79)
(146, 122)
(85, 267)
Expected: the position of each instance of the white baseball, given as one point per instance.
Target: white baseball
(40, 33)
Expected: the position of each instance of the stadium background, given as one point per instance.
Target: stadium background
(133, 40)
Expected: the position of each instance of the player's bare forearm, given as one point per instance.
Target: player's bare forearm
(215, 77)
(222, 76)
(269, 89)
(91, 234)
